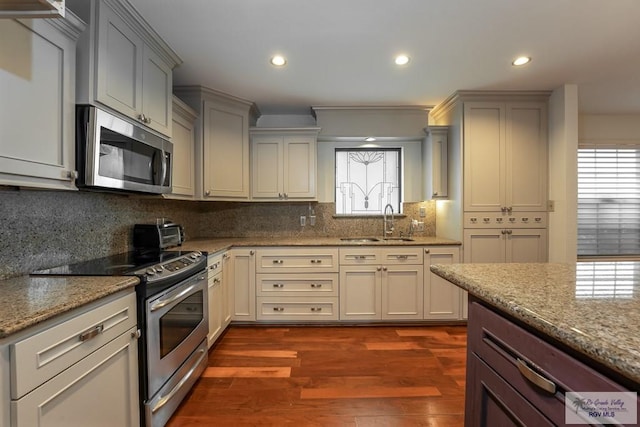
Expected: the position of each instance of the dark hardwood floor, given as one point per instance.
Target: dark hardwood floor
(331, 376)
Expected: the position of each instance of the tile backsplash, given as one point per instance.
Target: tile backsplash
(42, 229)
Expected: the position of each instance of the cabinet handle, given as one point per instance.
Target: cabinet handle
(535, 378)
(316, 285)
(278, 285)
(316, 261)
(359, 257)
(510, 209)
(378, 268)
(251, 252)
(384, 268)
(279, 195)
(316, 309)
(92, 333)
(207, 193)
(509, 231)
(426, 251)
(216, 280)
(136, 334)
(278, 309)
(503, 231)
(286, 196)
(278, 261)
(402, 256)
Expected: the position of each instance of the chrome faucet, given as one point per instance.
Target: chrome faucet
(387, 224)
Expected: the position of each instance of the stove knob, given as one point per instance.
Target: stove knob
(150, 271)
(158, 269)
(196, 254)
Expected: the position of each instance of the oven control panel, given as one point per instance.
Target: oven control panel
(191, 260)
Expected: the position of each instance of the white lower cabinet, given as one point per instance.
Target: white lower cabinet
(442, 299)
(381, 283)
(505, 245)
(81, 372)
(242, 272)
(215, 297)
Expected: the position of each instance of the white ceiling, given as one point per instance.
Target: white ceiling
(340, 52)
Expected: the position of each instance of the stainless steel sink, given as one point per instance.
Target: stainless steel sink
(360, 239)
(399, 239)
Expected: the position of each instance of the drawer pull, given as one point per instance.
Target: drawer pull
(402, 256)
(316, 309)
(316, 285)
(278, 261)
(278, 309)
(359, 257)
(316, 261)
(535, 378)
(278, 285)
(92, 333)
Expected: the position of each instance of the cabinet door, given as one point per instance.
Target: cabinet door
(226, 153)
(267, 157)
(183, 139)
(227, 292)
(120, 58)
(442, 299)
(491, 401)
(484, 245)
(484, 156)
(299, 167)
(99, 390)
(402, 292)
(156, 92)
(215, 308)
(526, 245)
(37, 104)
(360, 293)
(526, 155)
(243, 280)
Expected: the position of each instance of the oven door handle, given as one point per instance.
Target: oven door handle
(164, 399)
(165, 302)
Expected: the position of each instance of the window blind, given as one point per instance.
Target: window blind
(608, 199)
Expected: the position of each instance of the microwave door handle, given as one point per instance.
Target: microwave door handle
(164, 168)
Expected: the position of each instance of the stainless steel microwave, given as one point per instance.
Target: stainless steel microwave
(114, 154)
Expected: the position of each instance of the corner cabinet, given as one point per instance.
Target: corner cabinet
(59, 371)
(123, 64)
(184, 140)
(283, 163)
(222, 143)
(37, 79)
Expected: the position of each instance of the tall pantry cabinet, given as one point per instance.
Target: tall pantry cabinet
(498, 198)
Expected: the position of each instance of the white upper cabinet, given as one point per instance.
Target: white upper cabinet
(283, 164)
(184, 140)
(37, 102)
(123, 64)
(434, 162)
(505, 156)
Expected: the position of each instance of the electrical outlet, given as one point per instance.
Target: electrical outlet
(423, 211)
(312, 220)
(551, 206)
(303, 220)
(420, 226)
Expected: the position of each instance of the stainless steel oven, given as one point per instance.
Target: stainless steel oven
(176, 348)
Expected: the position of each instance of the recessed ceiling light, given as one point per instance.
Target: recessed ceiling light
(369, 139)
(521, 60)
(278, 61)
(402, 60)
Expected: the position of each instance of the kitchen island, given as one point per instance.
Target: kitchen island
(538, 331)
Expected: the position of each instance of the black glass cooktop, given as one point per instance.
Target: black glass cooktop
(115, 265)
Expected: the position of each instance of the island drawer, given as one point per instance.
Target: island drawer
(316, 284)
(40, 357)
(297, 309)
(539, 371)
(294, 260)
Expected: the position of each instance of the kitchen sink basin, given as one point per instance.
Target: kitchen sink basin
(399, 239)
(360, 239)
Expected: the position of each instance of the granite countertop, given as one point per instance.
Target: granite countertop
(592, 307)
(27, 301)
(212, 245)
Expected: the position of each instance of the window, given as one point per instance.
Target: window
(367, 179)
(608, 200)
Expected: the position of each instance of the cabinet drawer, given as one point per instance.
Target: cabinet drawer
(504, 347)
(38, 358)
(297, 309)
(316, 284)
(379, 256)
(289, 260)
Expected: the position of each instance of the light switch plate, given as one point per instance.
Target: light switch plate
(303, 220)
